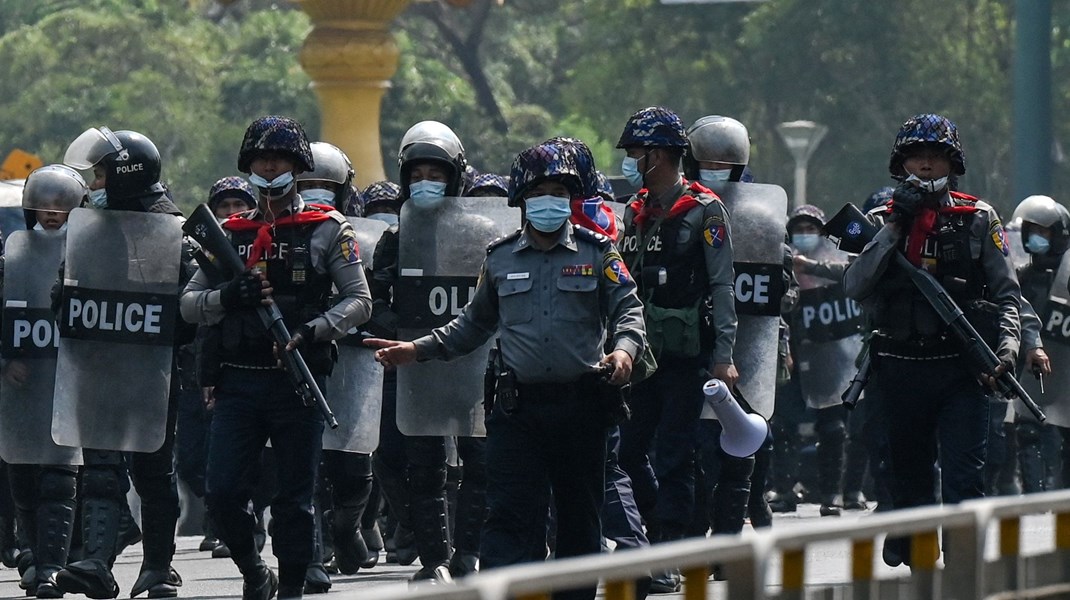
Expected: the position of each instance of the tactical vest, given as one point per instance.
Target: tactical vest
(300, 292)
(676, 247)
(947, 254)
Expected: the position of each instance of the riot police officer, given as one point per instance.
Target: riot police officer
(1045, 238)
(44, 494)
(299, 252)
(488, 185)
(930, 398)
(677, 241)
(545, 432)
(126, 166)
(331, 182)
(411, 470)
(381, 201)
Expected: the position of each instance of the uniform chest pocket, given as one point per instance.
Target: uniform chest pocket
(515, 301)
(577, 299)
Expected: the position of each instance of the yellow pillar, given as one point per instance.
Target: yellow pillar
(351, 56)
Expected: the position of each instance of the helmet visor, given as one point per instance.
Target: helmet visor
(90, 147)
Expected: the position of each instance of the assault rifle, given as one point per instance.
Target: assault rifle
(851, 230)
(217, 257)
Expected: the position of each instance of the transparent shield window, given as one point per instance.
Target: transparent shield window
(90, 147)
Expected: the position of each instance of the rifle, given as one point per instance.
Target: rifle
(852, 231)
(216, 256)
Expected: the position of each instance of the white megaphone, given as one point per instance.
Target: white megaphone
(741, 433)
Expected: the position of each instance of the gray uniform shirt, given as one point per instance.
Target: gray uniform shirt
(988, 244)
(200, 301)
(553, 308)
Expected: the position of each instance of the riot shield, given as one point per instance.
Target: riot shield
(825, 334)
(1016, 245)
(1055, 332)
(368, 233)
(117, 322)
(441, 249)
(758, 218)
(29, 347)
(355, 388)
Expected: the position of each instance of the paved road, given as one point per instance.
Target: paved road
(206, 577)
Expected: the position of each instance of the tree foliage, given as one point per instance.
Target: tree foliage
(193, 80)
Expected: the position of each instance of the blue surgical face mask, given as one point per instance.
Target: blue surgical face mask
(709, 176)
(1037, 244)
(318, 196)
(275, 188)
(426, 193)
(805, 242)
(98, 198)
(630, 168)
(547, 213)
(388, 218)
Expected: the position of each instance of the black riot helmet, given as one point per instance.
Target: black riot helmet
(57, 188)
(434, 142)
(130, 160)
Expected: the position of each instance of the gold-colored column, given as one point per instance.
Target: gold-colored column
(351, 56)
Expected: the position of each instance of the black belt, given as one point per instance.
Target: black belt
(585, 383)
(916, 347)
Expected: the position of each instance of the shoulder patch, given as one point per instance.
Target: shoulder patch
(714, 232)
(502, 240)
(614, 269)
(350, 249)
(999, 236)
(591, 236)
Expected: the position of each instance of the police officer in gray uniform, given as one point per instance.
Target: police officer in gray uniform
(295, 254)
(552, 291)
(933, 403)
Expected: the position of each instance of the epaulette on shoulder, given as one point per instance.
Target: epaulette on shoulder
(591, 236)
(503, 240)
(962, 196)
(702, 194)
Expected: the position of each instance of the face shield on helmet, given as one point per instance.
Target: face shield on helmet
(1045, 225)
(434, 142)
(716, 139)
(91, 147)
(329, 182)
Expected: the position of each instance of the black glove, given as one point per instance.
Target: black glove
(906, 200)
(1008, 359)
(244, 291)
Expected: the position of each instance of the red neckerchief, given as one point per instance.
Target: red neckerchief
(925, 220)
(580, 218)
(264, 235)
(644, 211)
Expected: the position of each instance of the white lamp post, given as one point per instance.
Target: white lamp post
(801, 138)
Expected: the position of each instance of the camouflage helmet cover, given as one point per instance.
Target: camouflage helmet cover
(544, 161)
(927, 129)
(653, 127)
(276, 134)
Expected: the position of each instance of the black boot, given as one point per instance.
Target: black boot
(157, 577)
(785, 467)
(468, 528)
(761, 515)
(732, 495)
(373, 540)
(431, 528)
(854, 473)
(317, 581)
(394, 488)
(92, 575)
(831, 435)
(129, 532)
(350, 551)
(55, 521)
(669, 580)
(210, 541)
(258, 581)
(9, 547)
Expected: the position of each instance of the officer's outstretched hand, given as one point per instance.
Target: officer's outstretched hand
(727, 373)
(622, 366)
(392, 353)
(248, 290)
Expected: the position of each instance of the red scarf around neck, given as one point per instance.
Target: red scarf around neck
(645, 211)
(925, 221)
(313, 213)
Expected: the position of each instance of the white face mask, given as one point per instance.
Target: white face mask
(708, 176)
(388, 218)
(927, 185)
(318, 196)
(275, 188)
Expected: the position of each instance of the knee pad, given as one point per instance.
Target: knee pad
(57, 484)
(426, 480)
(101, 482)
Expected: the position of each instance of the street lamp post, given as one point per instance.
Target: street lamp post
(801, 138)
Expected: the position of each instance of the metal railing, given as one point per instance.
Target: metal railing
(745, 560)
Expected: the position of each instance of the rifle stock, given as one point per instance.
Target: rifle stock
(216, 255)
